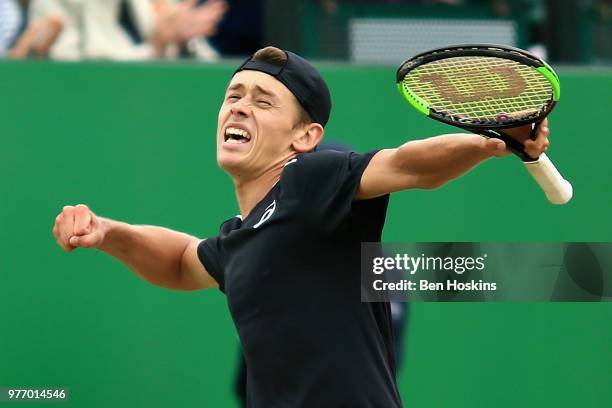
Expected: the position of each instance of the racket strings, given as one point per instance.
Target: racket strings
(483, 89)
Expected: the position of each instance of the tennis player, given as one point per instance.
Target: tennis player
(289, 264)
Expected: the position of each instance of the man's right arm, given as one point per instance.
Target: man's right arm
(159, 255)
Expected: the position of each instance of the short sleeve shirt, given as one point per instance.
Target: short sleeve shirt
(291, 274)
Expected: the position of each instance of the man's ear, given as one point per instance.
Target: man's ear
(307, 137)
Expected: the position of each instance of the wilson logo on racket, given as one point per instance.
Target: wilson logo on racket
(511, 85)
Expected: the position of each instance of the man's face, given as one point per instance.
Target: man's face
(256, 125)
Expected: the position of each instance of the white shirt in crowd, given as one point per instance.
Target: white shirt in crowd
(10, 22)
(92, 29)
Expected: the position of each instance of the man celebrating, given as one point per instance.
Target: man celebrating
(289, 264)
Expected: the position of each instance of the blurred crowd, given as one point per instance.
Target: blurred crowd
(209, 29)
(147, 29)
(129, 29)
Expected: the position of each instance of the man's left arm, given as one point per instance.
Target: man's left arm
(430, 163)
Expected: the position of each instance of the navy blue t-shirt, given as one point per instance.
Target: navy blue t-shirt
(291, 274)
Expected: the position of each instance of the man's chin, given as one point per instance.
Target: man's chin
(231, 163)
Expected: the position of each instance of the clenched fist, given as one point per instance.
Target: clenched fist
(77, 226)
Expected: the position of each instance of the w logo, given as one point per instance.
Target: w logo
(267, 214)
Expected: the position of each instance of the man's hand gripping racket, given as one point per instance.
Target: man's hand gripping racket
(495, 91)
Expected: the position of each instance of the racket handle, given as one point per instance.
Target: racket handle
(558, 190)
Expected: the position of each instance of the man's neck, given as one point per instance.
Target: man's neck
(251, 192)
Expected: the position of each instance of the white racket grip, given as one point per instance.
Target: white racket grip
(558, 190)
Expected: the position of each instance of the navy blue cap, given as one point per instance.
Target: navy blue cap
(302, 79)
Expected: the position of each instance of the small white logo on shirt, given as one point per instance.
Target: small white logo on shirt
(267, 214)
(290, 161)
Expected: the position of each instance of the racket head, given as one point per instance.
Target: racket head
(479, 86)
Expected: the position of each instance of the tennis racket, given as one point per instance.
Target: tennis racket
(485, 89)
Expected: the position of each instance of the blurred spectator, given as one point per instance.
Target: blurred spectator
(92, 28)
(10, 21)
(38, 38)
(35, 40)
(241, 32)
(187, 25)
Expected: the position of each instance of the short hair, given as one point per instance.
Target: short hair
(276, 56)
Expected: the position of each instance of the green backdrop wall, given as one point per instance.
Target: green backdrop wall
(136, 143)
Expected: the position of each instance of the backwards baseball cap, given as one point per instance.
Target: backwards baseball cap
(302, 79)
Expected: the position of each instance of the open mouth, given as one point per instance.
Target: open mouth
(237, 136)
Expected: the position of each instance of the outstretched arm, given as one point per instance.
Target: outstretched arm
(430, 163)
(158, 255)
